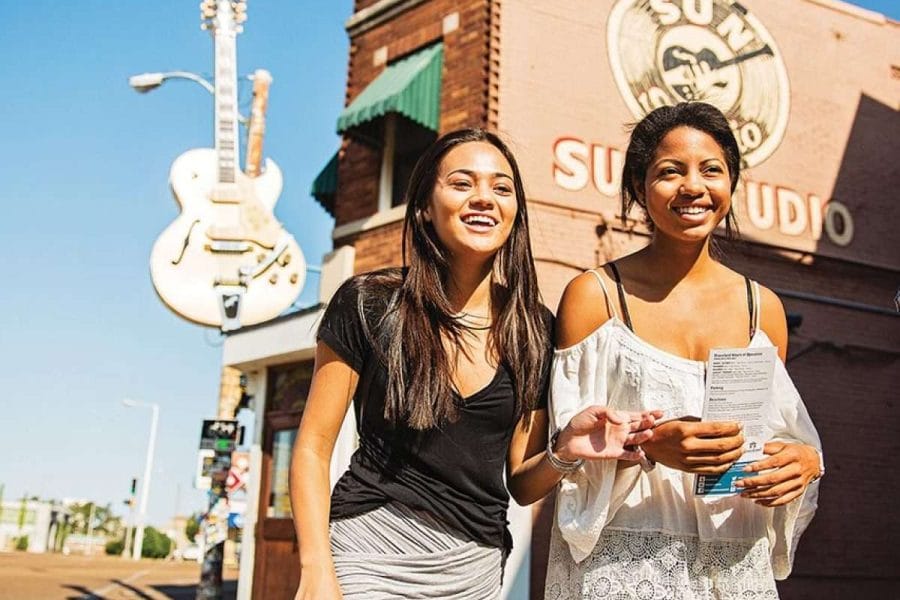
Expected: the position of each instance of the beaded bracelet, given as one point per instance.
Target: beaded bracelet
(563, 466)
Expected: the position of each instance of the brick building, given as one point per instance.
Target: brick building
(812, 89)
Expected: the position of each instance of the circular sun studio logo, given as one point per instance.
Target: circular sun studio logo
(667, 51)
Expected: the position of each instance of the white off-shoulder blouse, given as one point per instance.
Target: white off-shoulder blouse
(670, 540)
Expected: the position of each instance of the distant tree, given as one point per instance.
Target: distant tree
(23, 507)
(104, 521)
(192, 527)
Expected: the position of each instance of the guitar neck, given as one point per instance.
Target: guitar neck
(257, 128)
(226, 114)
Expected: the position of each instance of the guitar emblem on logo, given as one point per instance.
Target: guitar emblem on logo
(226, 261)
(667, 51)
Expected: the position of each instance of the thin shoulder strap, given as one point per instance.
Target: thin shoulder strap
(757, 303)
(609, 304)
(752, 304)
(621, 288)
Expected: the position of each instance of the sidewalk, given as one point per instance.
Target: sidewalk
(26, 576)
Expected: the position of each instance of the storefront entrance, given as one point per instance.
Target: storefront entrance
(277, 565)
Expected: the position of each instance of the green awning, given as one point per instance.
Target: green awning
(325, 184)
(411, 87)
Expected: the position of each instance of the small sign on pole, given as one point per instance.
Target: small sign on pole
(206, 458)
(221, 435)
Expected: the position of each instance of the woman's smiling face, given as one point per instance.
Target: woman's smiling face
(473, 205)
(687, 189)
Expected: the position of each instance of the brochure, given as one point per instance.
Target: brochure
(738, 388)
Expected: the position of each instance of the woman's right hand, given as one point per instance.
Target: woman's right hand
(318, 583)
(704, 447)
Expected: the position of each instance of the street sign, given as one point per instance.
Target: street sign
(205, 461)
(220, 435)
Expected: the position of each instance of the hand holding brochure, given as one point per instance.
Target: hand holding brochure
(738, 388)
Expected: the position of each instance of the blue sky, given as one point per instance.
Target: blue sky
(85, 162)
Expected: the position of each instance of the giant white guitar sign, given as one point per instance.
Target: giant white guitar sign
(225, 260)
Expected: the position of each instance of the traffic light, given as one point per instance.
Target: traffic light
(133, 486)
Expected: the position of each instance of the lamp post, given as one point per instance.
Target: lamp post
(148, 468)
(146, 82)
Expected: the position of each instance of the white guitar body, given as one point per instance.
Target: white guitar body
(226, 261)
(225, 244)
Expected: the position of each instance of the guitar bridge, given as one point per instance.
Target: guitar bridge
(229, 247)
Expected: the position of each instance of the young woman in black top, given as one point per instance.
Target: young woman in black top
(447, 363)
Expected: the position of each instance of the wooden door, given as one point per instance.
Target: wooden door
(276, 571)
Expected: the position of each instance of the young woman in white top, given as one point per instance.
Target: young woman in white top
(635, 335)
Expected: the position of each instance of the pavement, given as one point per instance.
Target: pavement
(25, 576)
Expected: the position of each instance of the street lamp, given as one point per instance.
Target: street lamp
(145, 82)
(145, 484)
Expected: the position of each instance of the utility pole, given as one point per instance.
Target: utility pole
(90, 529)
(145, 485)
(223, 436)
(129, 525)
(138, 544)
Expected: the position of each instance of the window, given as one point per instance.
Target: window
(404, 143)
(288, 387)
(279, 493)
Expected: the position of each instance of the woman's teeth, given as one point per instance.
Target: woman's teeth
(479, 220)
(691, 210)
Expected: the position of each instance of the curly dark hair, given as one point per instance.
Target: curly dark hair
(649, 132)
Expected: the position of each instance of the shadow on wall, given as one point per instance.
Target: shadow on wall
(868, 180)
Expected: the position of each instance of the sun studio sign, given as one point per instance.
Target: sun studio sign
(663, 52)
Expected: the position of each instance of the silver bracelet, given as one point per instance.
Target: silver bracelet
(647, 463)
(821, 465)
(563, 466)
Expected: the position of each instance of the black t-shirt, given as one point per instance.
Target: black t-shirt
(455, 470)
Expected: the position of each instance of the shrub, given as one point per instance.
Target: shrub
(22, 543)
(156, 544)
(192, 527)
(115, 547)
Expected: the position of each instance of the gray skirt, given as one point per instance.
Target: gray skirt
(397, 552)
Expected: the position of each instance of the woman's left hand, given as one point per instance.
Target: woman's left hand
(791, 468)
(598, 432)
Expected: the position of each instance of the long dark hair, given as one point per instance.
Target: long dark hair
(419, 387)
(649, 132)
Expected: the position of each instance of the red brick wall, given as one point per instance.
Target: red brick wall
(379, 248)
(464, 103)
(357, 193)
(361, 4)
